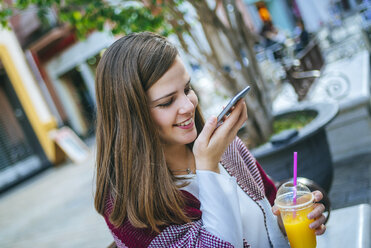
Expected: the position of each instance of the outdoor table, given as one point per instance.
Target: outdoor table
(348, 227)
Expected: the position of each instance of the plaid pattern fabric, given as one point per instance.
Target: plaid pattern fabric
(189, 235)
(118, 242)
(240, 164)
(126, 235)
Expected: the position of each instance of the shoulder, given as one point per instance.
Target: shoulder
(126, 235)
(131, 236)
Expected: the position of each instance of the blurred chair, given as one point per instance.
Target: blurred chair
(305, 69)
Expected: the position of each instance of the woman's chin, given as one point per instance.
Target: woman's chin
(190, 139)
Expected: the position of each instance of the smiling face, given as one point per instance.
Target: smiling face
(173, 105)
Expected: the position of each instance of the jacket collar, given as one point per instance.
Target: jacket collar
(234, 164)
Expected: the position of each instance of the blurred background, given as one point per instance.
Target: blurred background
(307, 62)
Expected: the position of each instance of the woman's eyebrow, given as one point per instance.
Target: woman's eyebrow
(167, 95)
(171, 93)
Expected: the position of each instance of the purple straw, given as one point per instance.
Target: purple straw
(295, 177)
(295, 168)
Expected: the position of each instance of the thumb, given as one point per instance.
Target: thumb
(275, 210)
(208, 129)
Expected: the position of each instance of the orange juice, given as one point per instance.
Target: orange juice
(297, 229)
(295, 203)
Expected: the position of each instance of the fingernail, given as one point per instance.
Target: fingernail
(310, 216)
(311, 226)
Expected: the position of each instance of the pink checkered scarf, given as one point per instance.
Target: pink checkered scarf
(239, 163)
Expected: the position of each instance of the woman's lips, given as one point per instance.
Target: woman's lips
(186, 124)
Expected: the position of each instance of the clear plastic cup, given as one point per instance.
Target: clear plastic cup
(294, 214)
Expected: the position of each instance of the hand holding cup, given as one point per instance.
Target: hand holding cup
(299, 214)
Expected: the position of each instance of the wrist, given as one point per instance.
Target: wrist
(207, 166)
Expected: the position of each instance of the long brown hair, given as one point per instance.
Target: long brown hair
(131, 167)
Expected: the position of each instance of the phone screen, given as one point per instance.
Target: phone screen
(232, 102)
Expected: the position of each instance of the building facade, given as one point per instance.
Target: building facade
(25, 119)
(46, 83)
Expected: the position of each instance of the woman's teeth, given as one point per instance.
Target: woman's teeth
(186, 123)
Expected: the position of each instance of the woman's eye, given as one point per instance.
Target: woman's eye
(166, 104)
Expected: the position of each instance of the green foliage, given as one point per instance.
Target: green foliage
(296, 120)
(86, 15)
(5, 13)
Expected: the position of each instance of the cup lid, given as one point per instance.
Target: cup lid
(285, 196)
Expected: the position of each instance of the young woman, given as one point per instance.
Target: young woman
(164, 177)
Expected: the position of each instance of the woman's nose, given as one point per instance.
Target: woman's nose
(186, 105)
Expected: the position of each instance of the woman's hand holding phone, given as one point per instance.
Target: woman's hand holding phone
(226, 111)
(212, 141)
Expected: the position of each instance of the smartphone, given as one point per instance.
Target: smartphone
(231, 103)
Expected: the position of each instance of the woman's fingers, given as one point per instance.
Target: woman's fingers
(207, 131)
(319, 219)
(317, 195)
(212, 141)
(317, 211)
(234, 121)
(321, 230)
(243, 116)
(318, 222)
(317, 214)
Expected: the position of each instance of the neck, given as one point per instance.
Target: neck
(179, 159)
